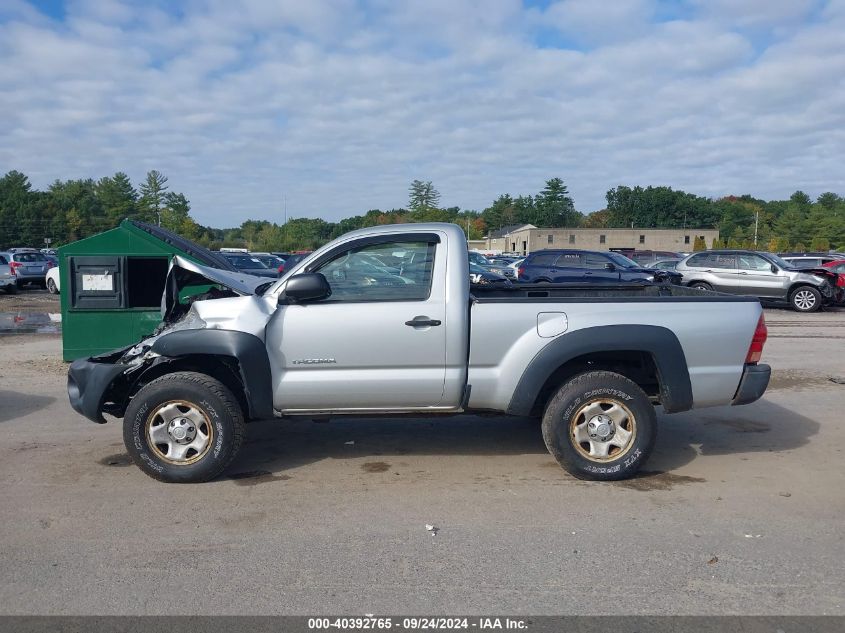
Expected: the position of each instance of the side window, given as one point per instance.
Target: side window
(543, 259)
(753, 262)
(569, 260)
(594, 261)
(839, 269)
(394, 271)
(699, 261)
(721, 260)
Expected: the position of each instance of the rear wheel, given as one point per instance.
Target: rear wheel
(600, 425)
(805, 299)
(701, 285)
(184, 427)
(12, 289)
(51, 287)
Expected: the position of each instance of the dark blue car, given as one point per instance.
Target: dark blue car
(576, 266)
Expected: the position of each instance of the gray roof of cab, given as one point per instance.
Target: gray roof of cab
(199, 253)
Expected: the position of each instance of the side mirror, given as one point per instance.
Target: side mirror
(775, 269)
(307, 287)
(609, 266)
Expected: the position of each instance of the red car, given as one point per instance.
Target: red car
(838, 267)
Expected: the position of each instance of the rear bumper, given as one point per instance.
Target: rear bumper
(87, 383)
(752, 385)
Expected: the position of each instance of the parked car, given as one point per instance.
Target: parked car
(497, 269)
(313, 345)
(838, 266)
(484, 277)
(665, 264)
(290, 262)
(30, 266)
(762, 275)
(273, 262)
(51, 280)
(577, 266)
(649, 258)
(8, 279)
(808, 260)
(245, 263)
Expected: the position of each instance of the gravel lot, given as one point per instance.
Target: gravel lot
(741, 510)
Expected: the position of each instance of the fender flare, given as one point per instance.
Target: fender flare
(660, 342)
(247, 350)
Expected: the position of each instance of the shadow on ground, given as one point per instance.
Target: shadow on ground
(17, 405)
(273, 446)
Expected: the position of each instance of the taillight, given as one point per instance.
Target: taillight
(840, 281)
(14, 267)
(755, 350)
(50, 263)
(521, 271)
(281, 269)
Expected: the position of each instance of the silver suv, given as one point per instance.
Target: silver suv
(762, 275)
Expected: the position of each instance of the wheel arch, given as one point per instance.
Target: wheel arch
(240, 360)
(650, 356)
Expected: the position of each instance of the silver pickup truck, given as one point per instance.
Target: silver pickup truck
(383, 321)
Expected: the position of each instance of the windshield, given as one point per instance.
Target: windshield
(621, 260)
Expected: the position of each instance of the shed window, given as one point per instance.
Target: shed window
(602, 239)
(642, 239)
(551, 239)
(571, 238)
(145, 277)
(686, 239)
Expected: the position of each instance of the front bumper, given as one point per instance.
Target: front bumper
(752, 385)
(87, 383)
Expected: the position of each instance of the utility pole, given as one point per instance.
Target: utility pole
(756, 222)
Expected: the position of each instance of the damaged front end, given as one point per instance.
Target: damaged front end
(210, 319)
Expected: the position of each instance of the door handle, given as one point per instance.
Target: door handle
(422, 321)
(742, 273)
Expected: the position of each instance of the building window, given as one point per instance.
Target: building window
(602, 239)
(686, 239)
(702, 237)
(551, 239)
(642, 239)
(571, 238)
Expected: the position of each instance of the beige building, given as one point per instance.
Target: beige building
(526, 238)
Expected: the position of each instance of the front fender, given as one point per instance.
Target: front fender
(247, 350)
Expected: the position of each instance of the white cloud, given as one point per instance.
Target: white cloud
(338, 106)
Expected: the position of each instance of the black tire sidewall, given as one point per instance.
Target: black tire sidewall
(566, 403)
(179, 387)
(816, 306)
(701, 285)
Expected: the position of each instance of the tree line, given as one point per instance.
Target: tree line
(74, 209)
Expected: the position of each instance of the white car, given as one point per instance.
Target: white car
(51, 279)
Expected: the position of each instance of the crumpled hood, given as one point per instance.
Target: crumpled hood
(184, 272)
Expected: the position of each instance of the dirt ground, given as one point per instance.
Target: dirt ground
(740, 510)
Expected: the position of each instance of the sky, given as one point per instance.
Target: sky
(335, 106)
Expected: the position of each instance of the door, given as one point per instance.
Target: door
(722, 272)
(596, 270)
(379, 340)
(568, 268)
(755, 277)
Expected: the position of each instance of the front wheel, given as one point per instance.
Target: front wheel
(805, 299)
(600, 426)
(184, 427)
(51, 286)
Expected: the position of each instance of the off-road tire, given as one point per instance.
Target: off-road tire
(212, 398)
(802, 296)
(565, 409)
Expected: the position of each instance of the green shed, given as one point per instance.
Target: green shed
(112, 283)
